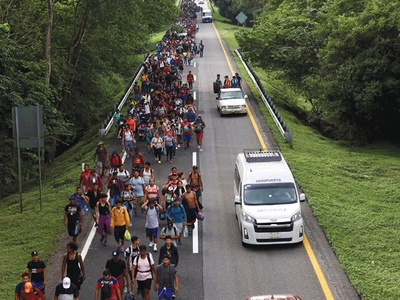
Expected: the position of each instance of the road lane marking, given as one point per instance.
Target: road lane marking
(314, 262)
(92, 232)
(195, 233)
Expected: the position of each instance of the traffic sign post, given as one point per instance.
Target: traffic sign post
(28, 133)
(241, 17)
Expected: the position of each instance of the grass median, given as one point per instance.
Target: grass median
(353, 191)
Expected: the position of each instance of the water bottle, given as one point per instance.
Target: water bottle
(185, 231)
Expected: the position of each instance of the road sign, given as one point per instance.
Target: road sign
(241, 17)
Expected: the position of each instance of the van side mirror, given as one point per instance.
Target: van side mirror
(237, 200)
(302, 197)
(245, 96)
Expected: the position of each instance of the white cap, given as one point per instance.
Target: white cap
(66, 283)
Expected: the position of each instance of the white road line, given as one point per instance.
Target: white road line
(195, 234)
(194, 77)
(92, 232)
(194, 65)
(194, 95)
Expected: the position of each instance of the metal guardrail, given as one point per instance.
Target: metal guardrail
(122, 102)
(283, 128)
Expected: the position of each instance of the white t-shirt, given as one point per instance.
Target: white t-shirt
(143, 268)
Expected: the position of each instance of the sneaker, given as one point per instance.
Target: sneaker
(135, 214)
(155, 248)
(179, 242)
(170, 161)
(156, 159)
(118, 137)
(201, 149)
(198, 147)
(105, 243)
(176, 148)
(179, 146)
(121, 250)
(102, 239)
(151, 244)
(173, 295)
(159, 161)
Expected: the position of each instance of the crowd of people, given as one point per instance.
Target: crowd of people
(162, 114)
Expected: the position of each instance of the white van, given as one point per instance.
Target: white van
(267, 201)
(206, 16)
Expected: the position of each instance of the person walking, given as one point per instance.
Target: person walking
(119, 223)
(108, 287)
(177, 214)
(190, 79)
(37, 271)
(94, 196)
(137, 161)
(81, 200)
(186, 132)
(116, 186)
(152, 209)
(103, 218)
(137, 184)
(166, 280)
(130, 254)
(117, 268)
(148, 173)
(171, 250)
(21, 286)
(192, 207)
(101, 154)
(73, 264)
(152, 192)
(29, 293)
(73, 218)
(84, 179)
(196, 181)
(142, 270)
(201, 48)
(172, 231)
(128, 199)
(157, 144)
(66, 290)
(199, 126)
(128, 140)
(169, 146)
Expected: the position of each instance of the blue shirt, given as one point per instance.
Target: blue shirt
(138, 185)
(177, 213)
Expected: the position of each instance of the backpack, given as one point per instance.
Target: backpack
(105, 290)
(164, 230)
(186, 128)
(137, 261)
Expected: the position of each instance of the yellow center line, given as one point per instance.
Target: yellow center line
(314, 262)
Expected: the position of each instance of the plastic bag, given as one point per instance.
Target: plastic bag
(127, 235)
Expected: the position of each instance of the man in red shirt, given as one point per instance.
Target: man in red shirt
(84, 180)
(190, 79)
(108, 287)
(29, 293)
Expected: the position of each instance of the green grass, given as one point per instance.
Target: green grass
(353, 191)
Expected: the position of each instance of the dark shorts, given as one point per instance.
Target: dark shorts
(72, 228)
(186, 137)
(144, 285)
(152, 232)
(119, 232)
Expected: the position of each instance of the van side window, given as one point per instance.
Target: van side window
(237, 181)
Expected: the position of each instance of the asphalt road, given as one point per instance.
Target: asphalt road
(223, 269)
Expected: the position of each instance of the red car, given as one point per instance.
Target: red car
(275, 297)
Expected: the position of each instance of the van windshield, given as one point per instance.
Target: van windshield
(269, 194)
(231, 95)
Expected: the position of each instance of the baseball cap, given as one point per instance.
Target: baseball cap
(34, 253)
(93, 170)
(115, 254)
(66, 283)
(28, 287)
(115, 173)
(170, 223)
(100, 143)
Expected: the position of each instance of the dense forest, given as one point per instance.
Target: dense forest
(71, 57)
(343, 58)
